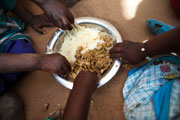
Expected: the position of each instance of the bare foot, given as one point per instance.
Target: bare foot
(56, 115)
(11, 107)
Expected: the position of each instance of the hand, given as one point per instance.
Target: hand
(40, 21)
(129, 52)
(54, 63)
(86, 80)
(58, 14)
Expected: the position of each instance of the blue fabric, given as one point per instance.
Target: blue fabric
(149, 82)
(19, 46)
(167, 57)
(161, 101)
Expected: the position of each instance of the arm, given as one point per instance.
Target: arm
(36, 21)
(130, 52)
(22, 12)
(78, 103)
(57, 13)
(164, 43)
(54, 63)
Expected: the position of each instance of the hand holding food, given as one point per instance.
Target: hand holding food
(54, 63)
(88, 49)
(129, 52)
(40, 21)
(58, 14)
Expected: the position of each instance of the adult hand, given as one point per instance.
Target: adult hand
(40, 21)
(87, 81)
(58, 14)
(129, 52)
(54, 63)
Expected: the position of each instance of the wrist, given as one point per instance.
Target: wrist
(38, 64)
(144, 50)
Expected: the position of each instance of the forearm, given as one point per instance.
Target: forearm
(22, 12)
(40, 2)
(164, 43)
(77, 106)
(18, 62)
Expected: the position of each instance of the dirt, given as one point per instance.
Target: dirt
(39, 88)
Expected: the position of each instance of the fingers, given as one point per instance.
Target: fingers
(71, 17)
(66, 23)
(40, 30)
(68, 65)
(116, 55)
(48, 24)
(63, 23)
(117, 52)
(64, 67)
(61, 72)
(60, 24)
(125, 61)
(117, 48)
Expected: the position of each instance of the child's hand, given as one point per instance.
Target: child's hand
(86, 81)
(58, 14)
(54, 63)
(129, 52)
(40, 21)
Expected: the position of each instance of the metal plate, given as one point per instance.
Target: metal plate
(55, 45)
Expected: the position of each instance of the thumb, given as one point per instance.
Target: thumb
(40, 30)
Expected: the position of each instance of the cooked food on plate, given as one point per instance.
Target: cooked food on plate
(86, 48)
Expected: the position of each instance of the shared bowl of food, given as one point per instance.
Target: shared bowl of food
(86, 47)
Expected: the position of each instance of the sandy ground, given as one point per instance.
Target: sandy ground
(128, 16)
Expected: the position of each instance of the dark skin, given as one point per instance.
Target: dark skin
(57, 13)
(78, 102)
(36, 21)
(130, 52)
(53, 63)
(79, 99)
(12, 108)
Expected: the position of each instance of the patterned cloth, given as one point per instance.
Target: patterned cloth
(11, 40)
(10, 27)
(142, 91)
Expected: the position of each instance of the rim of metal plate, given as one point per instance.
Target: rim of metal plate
(99, 22)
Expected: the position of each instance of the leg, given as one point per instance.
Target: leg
(11, 108)
(56, 115)
(15, 47)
